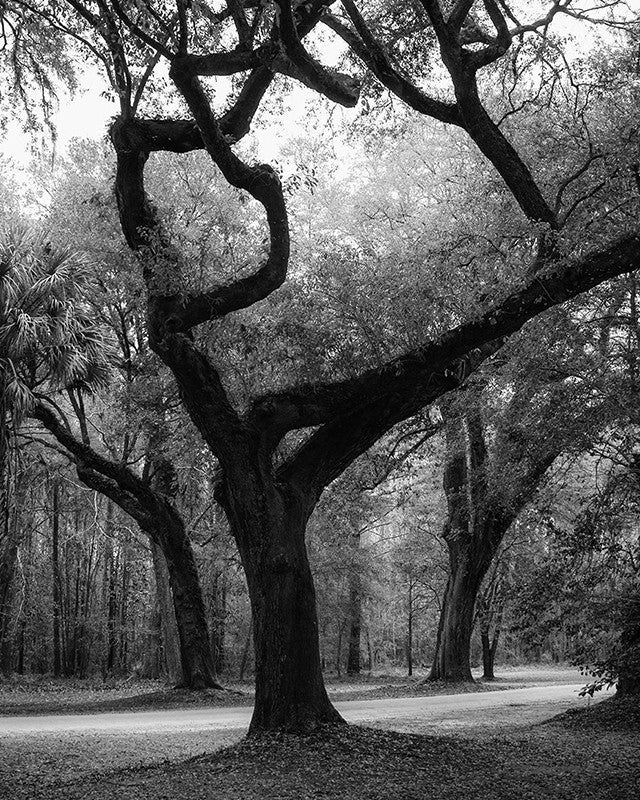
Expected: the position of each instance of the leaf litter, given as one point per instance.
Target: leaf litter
(576, 756)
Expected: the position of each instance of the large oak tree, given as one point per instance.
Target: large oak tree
(267, 487)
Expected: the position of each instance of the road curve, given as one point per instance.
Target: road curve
(192, 719)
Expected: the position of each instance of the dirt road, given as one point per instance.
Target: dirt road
(531, 704)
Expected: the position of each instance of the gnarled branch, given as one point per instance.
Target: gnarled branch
(313, 405)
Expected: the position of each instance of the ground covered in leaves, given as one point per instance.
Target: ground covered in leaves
(590, 754)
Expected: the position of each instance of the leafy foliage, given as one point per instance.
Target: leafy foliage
(48, 339)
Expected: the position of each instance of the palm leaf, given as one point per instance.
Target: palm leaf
(44, 317)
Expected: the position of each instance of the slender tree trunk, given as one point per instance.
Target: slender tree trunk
(355, 626)
(55, 559)
(171, 660)
(488, 653)
(355, 610)
(124, 603)
(9, 538)
(158, 518)
(198, 668)
(410, 632)
(8, 556)
(218, 622)
(20, 648)
(111, 569)
(369, 651)
(489, 643)
(338, 663)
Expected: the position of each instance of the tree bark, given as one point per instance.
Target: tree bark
(479, 515)
(8, 541)
(290, 691)
(245, 652)
(111, 577)
(489, 643)
(451, 661)
(171, 660)
(198, 669)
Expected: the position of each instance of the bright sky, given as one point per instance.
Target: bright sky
(87, 115)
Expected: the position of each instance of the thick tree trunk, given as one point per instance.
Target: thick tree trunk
(245, 652)
(290, 691)
(476, 524)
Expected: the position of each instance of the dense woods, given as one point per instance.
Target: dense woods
(373, 406)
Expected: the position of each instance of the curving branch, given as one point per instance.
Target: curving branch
(283, 53)
(359, 412)
(183, 33)
(335, 445)
(566, 183)
(145, 37)
(236, 11)
(226, 63)
(365, 45)
(86, 457)
(405, 380)
(459, 14)
(204, 394)
(263, 185)
(499, 46)
(436, 17)
(296, 62)
(236, 122)
(468, 112)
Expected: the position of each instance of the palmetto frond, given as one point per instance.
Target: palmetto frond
(18, 398)
(44, 318)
